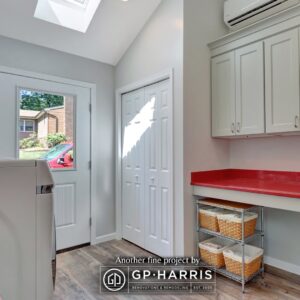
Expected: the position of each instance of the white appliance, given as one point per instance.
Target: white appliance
(240, 13)
(26, 229)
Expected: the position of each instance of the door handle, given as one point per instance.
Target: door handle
(238, 127)
(232, 127)
(296, 121)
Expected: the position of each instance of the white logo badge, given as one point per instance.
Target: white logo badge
(114, 280)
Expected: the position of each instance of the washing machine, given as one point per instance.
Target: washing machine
(26, 230)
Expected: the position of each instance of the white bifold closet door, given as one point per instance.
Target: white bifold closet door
(133, 157)
(147, 168)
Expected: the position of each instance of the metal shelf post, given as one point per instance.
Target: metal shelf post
(243, 251)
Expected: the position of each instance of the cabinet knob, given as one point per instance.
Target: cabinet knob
(296, 121)
(238, 127)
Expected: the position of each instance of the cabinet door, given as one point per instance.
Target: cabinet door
(250, 106)
(223, 95)
(282, 82)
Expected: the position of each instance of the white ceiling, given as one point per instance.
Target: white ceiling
(114, 27)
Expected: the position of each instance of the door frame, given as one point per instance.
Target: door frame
(93, 155)
(164, 75)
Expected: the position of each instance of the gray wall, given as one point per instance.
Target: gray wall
(203, 22)
(20, 55)
(160, 47)
(282, 227)
(283, 239)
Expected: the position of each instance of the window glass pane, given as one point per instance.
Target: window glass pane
(48, 132)
(29, 126)
(21, 125)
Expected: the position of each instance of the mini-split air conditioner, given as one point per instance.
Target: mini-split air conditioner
(240, 13)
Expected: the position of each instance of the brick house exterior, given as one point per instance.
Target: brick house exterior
(27, 116)
(49, 121)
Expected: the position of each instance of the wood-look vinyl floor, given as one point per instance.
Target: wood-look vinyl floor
(78, 278)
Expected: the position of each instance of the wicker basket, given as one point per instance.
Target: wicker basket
(233, 260)
(211, 251)
(231, 225)
(208, 218)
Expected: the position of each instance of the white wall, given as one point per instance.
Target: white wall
(202, 24)
(160, 47)
(282, 227)
(20, 55)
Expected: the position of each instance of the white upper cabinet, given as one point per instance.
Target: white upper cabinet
(238, 92)
(282, 82)
(223, 95)
(250, 105)
(256, 83)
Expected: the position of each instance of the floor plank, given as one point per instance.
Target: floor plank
(78, 278)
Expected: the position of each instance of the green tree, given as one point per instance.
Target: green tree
(39, 101)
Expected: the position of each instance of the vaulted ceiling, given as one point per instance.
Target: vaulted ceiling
(114, 27)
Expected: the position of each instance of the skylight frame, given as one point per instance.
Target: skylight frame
(80, 3)
(67, 13)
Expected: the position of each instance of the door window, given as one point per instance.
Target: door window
(46, 128)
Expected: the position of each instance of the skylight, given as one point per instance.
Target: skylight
(73, 14)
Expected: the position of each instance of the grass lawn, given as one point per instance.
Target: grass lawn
(31, 154)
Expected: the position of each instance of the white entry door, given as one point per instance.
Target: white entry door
(51, 120)
(147, 168)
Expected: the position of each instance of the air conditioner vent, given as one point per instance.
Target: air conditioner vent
(255, 11)
(239, 13)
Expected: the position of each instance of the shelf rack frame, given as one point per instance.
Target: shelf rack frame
(259, 233)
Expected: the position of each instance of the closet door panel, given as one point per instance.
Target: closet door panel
(133, 171)
(157, 170)
(147, 168)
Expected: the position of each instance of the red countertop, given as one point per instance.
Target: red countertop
(277, 183)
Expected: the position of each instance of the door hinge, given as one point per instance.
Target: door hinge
(90, 165)
(90, 221)
(90, 107)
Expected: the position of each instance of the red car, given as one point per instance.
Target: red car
(60, 156)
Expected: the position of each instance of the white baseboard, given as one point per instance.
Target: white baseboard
(283, 265)
(105, 238)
